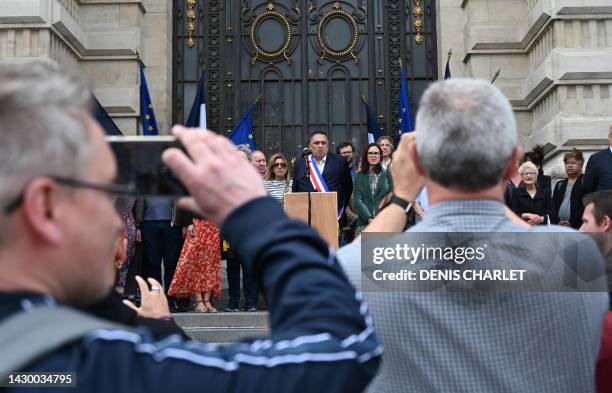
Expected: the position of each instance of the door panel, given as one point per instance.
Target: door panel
(310, 61)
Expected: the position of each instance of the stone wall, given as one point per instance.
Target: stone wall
(104, 38)
(555, 58)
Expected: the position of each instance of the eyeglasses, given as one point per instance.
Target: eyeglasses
(279, 165)
(529, 174)
(111, 188)
(373, 153)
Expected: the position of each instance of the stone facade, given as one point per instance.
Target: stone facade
(104, 38)
(555, 57)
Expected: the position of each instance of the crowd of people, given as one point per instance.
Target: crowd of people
(190, 247)
(453, 174)
(59, 232)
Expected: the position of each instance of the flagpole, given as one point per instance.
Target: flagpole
(495, 75)
(450, 54)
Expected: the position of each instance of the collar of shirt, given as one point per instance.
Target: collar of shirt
(322, 162)
(472, 215)
(11, 302)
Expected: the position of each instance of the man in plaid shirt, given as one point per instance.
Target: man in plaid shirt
(472, 340)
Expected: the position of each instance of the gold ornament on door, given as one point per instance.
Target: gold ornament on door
(191, 22)
(418, 21)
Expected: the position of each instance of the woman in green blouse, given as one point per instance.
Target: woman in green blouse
(372, 183)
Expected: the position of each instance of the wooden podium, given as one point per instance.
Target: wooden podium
(324, 212)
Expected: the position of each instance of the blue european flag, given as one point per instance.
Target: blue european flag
(242, 134)
(374, 131)
(197, 115)
(149, 124)
(406, 124)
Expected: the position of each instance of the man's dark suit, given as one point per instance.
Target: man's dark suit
(598, 173)
(336, 174)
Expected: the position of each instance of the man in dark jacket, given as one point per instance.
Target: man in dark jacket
(598, 173)
(57, 232)
(333, 170)
(160, 227)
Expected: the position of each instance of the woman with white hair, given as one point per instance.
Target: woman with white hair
(530, 201)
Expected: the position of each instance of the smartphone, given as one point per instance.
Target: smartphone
(139, 165)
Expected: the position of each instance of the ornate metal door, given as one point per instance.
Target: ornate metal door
(310, 61)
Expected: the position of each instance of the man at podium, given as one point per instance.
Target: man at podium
(322, 171)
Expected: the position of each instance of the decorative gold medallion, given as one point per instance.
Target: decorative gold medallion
(326, 51)
(271, 13)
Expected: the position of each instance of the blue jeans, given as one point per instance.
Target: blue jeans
(161, 241)
(233, 282)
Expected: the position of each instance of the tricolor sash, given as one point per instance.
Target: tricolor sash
(317, 181)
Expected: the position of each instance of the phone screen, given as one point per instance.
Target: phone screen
(139, 164)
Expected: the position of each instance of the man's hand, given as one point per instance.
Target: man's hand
(138, 235)
(407, 183)
(217, 177)
(153, 302)
(418, 210)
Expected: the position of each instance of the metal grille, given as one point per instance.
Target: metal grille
(310, 60)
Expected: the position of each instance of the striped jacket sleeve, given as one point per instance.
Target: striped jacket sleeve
(322, 337)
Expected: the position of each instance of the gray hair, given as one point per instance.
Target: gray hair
(43, 129)
(526, 165)
(465, 133)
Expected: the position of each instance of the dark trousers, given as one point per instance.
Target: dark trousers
(160, 241)
(233, 280)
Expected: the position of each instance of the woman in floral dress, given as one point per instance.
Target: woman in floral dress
(199, 268)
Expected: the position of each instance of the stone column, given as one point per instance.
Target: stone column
(104, 38)
(555, 58)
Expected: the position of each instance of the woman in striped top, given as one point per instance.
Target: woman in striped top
(278, 181)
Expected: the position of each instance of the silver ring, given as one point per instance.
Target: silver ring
(154, 288)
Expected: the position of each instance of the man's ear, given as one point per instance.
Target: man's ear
(607, 224)
(515, 158)
(41, 211)
(414, 155)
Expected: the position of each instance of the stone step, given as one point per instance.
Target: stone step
(228, 320)
(223, 327)
(224, 336)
